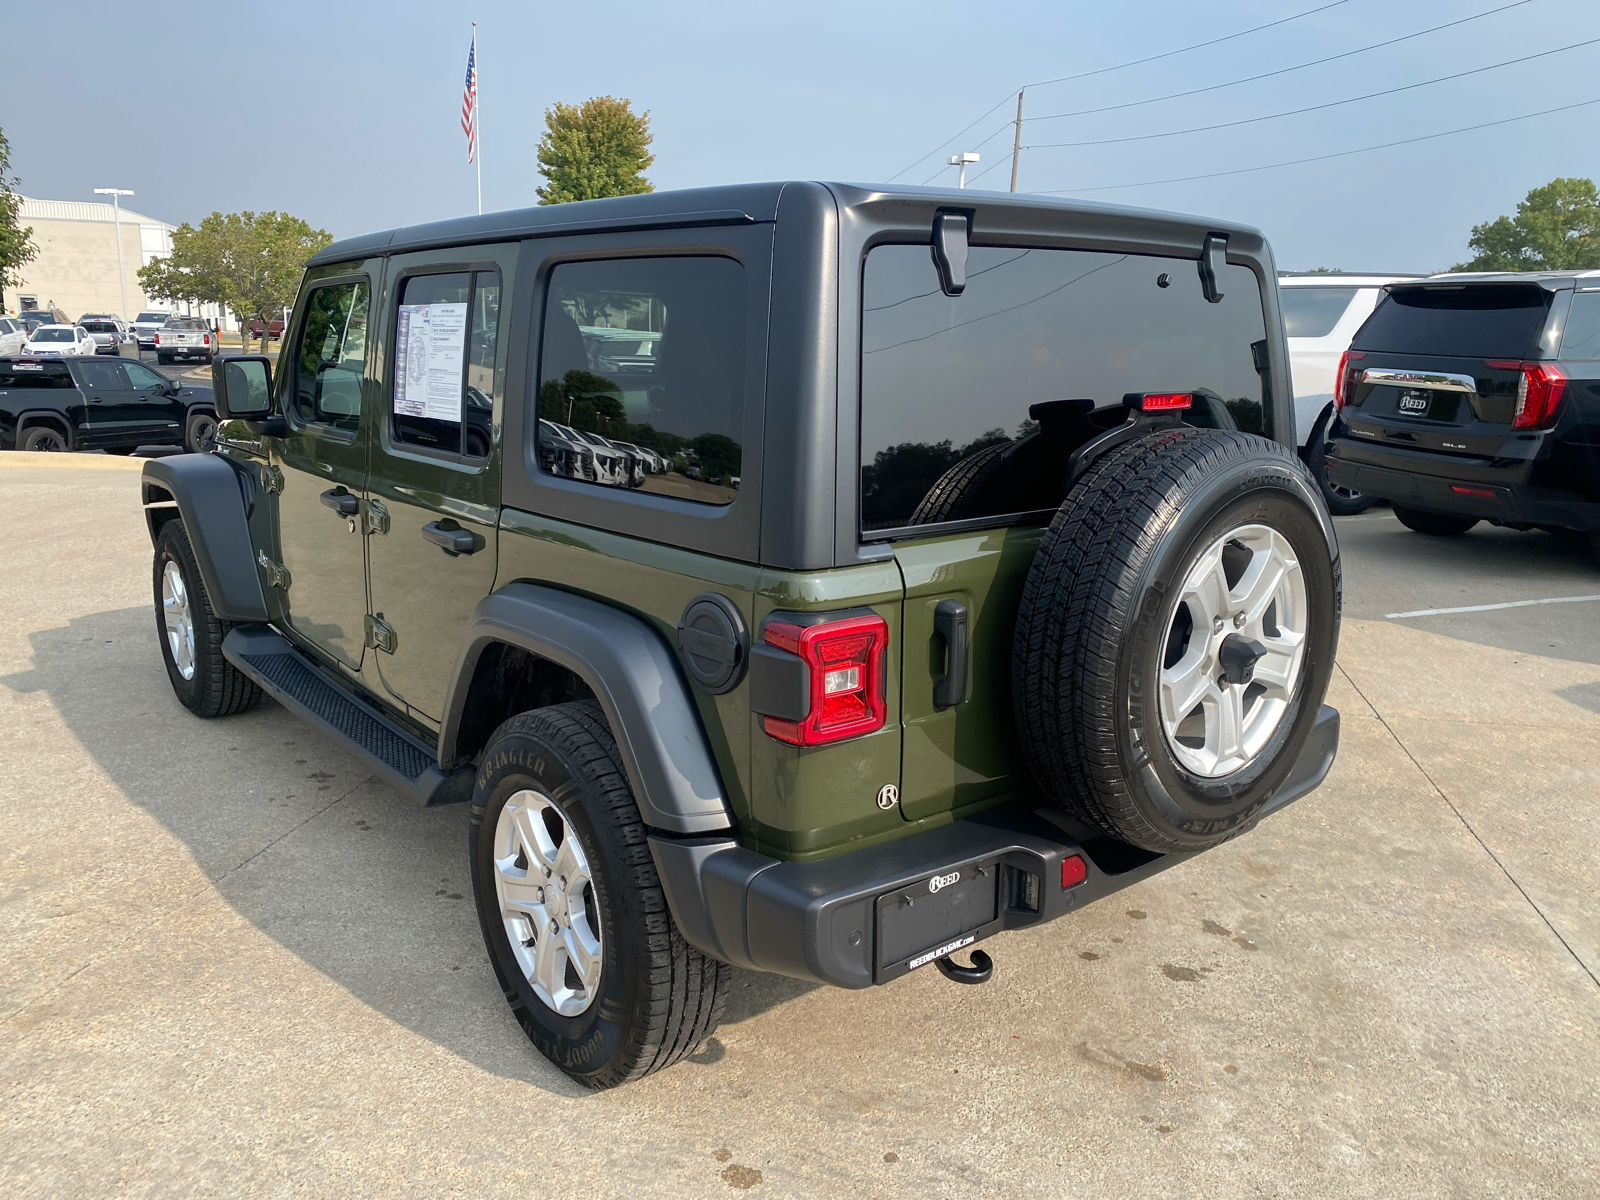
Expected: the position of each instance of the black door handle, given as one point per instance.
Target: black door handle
(950, 623)
(451, 541)
(342, 503)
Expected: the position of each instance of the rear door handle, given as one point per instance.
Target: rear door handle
(342, 503)
(451, 541)
(950, 623)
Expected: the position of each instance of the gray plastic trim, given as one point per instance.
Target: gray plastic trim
(635, 676)
(212, 492)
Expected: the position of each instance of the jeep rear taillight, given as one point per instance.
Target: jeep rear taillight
(1539, 392)
(846, 663)
(1343, 385)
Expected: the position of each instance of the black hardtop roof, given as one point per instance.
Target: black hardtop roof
(731, 204)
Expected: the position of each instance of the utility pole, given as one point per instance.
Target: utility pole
(116, 195)
(1016, 142)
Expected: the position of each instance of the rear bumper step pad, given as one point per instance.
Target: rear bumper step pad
(294, 681)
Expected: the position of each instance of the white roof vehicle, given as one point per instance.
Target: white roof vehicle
(13, 333)
(59, 340)
(1321, 313)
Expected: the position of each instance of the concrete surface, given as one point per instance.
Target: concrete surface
(231, 964)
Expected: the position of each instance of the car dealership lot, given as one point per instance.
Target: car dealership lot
(278, 985)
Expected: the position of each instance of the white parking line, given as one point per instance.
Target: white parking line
(1440, 612)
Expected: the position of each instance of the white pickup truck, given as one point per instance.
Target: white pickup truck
(185, 337)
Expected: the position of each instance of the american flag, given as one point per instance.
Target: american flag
(469, 102)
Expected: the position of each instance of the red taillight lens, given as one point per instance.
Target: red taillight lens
(1073, 871)
(158, 339)
(1343, 385)
(205, 339)
(1164, 401)
(1539, 392)
(846, 658)
(1486, 493)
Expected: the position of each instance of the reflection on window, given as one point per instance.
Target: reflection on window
(971, 405)
(331, 358)
(1582, 339)
(1312, 312)
(642, 375)
(446, 333)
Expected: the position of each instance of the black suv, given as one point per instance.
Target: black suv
(83, 403)
(1468, 398)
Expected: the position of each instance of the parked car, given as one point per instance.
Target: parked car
(564, 455)
(35, 317)
(147, 324)
(993, 633)
(109, 333)
(13, 333)
(89, 403)
(274, 327)
(59, 340)
(187, 338)
(1476, 397)
(1321, 313)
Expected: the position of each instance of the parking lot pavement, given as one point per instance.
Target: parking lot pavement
(231, 962)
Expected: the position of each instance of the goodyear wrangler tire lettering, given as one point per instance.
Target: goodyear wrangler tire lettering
(1160, 690)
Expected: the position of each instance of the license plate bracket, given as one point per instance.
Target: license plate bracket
(1414, 402)
(955, 906)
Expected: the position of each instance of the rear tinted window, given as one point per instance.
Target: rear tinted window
(99, 326)
(34, 375)
(188, 323)
(152, 318)
(947, 378)
(1468, 321)
(1313, 311)
(1582, 338)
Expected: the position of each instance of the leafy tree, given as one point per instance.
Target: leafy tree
(594, 149)
(1557, 228)
(16, 242)
(249, 261)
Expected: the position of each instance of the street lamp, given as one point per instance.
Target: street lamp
(116, 195)
(962, 160)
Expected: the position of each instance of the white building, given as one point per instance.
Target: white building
(76, 267)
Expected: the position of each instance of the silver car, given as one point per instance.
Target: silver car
(108, 333)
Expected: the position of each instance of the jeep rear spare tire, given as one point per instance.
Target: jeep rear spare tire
(1176, 636)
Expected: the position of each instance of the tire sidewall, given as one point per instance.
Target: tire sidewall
(173, 546)
(1267, 491)
(586, 1044)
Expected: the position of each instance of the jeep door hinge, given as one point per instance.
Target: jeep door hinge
(375, 517)
(277, 574)
(381, 634)
(271, 480)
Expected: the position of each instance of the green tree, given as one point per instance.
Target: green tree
(249, 261)
(594, 149)
(1557, 228)
(16, 241)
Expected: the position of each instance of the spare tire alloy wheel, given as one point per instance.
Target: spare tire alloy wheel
(1233, 651)
(1176, 637)
(546, 893)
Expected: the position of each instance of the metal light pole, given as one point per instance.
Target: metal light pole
(116, 195)
(962, 161)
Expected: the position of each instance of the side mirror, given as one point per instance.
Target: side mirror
(173, 387)
(241, 387)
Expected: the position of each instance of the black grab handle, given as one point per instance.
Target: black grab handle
(950, 623)
(342, 503)
(981, 970)
(451, 541)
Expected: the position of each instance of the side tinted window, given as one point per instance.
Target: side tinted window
(34, 375)
(1582, 338)
(971, 404)
(141, 376)
(330, 360)
(641, 374)
(102, 377)
(446, 334)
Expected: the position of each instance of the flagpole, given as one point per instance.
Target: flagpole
(477, 117)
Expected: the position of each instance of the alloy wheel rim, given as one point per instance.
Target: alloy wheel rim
(1244, 600)
(178, 618)
(547, 901)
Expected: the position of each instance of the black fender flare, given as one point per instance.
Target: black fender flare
(213, 495)
(27, 419)
(636, 679)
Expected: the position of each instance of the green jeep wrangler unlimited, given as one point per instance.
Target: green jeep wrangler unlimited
(809, 578)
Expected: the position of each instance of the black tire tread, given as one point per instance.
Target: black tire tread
(1077, 605)
(224, 689)
(687, 992)
(1317, 462)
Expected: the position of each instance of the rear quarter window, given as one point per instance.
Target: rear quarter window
(1458, 321)
(1582, 337)
(45, 375)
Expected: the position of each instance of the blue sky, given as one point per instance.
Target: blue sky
(352, 120)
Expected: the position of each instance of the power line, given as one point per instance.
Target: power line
(1294, 112)
(1112, 187)
(1083, 112)
(1138, 62)
(975, 146)
(1103, 70)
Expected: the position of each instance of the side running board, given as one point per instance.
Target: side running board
(294, 681)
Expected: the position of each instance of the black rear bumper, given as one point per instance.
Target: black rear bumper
(1446, 484)
(872, 915)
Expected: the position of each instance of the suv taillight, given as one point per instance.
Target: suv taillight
(846, 661)
(1343, 386)
(1538, 392)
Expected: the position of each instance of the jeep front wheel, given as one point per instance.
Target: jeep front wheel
(191, 634)
(1176, 637)
(572, 911)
